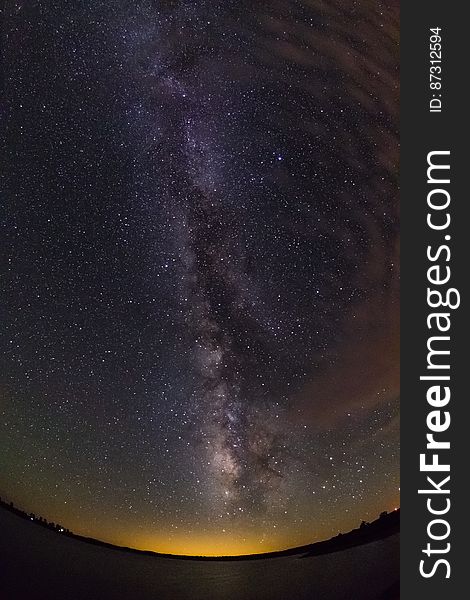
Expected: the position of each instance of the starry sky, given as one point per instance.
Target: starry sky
(199, 299)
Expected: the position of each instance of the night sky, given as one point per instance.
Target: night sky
(199, 297)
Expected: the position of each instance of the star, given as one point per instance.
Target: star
(201, 285)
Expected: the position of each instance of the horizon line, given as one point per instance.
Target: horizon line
(96, 541)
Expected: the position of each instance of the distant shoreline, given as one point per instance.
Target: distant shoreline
(386, 525)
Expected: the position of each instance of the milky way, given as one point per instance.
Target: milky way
(201, 299)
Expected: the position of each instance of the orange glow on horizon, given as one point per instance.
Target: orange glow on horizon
(200, 545)
(235, 541)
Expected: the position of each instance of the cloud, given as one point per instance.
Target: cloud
(363, 371)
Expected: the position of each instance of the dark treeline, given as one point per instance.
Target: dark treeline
(387, 524)
(32, 517)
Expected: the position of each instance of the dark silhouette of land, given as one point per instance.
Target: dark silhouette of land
(387, 524)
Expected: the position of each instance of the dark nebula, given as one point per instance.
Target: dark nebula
(200, 277)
